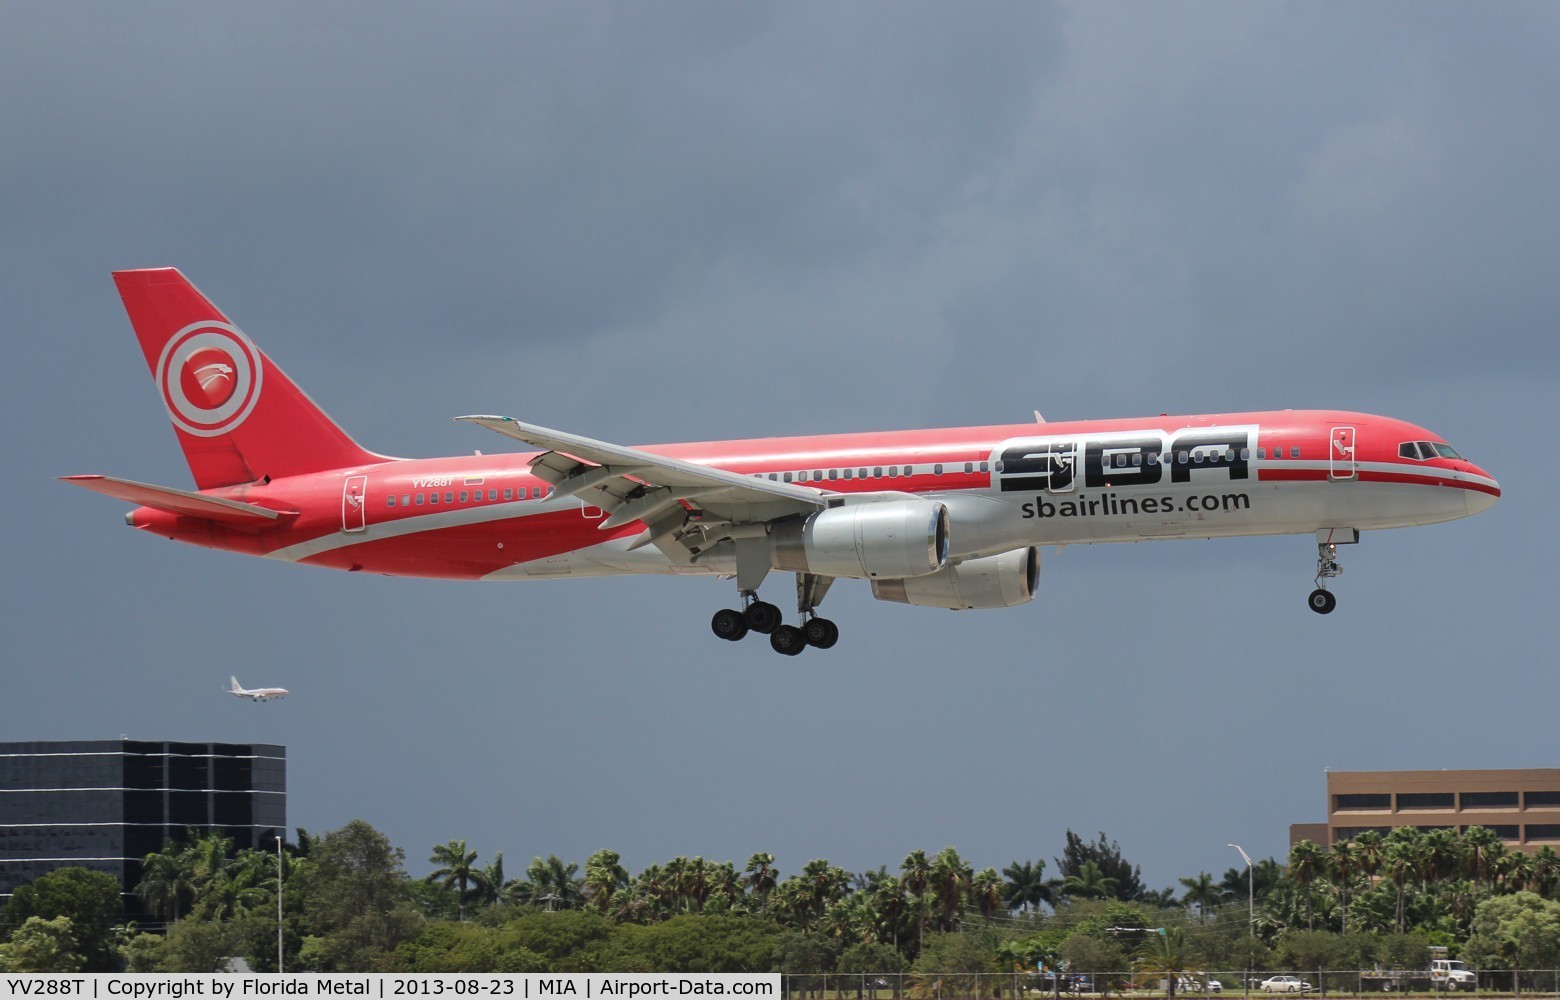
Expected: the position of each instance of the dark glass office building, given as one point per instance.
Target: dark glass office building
(107, 804)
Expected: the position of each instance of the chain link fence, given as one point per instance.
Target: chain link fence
(1527, 983)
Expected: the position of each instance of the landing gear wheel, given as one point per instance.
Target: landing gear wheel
(729, 624)
(821, 632)
(763, 617)
(1322, 601)
(787, 640)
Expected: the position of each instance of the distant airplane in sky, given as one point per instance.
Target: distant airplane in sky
(943, 518)
(254, 694)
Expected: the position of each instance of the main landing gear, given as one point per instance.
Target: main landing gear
(763, 617)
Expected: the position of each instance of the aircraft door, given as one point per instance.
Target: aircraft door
(354, 508)
(1342, 463)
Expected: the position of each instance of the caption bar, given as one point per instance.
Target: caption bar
(388, 986)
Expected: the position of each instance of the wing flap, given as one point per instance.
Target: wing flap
(565, 454)
(180, 502)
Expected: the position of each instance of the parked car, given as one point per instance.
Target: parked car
(1197, 982)
(1286, 984)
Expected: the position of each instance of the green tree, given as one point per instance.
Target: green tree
(1106, 855)
(40, 945)
(354, 892)
(89, 899)
(167, 886)
(1519, 931)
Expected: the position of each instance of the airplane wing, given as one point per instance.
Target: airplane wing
(181, 502)
(665, 493)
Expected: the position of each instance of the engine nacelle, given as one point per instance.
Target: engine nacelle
(865, 541)
(1001, 581)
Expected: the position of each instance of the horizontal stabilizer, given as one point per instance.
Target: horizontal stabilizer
(180, 502)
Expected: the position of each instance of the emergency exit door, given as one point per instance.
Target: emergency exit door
(1341, 455)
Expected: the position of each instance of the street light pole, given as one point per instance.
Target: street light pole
(1251, 906)
(279, 968)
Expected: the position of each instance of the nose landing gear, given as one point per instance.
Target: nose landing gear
(1322, 600)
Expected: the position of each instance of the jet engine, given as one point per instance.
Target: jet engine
(999, 581)
(889, 538)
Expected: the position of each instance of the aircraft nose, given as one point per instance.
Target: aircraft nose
(1484, 497)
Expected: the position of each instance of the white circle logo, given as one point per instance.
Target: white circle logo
(209, 374)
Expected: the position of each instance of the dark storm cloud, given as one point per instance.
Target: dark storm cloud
(699, 221)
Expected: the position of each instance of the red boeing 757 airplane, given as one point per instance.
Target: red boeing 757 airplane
(944, 518)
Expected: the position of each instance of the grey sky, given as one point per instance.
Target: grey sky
(687, 221)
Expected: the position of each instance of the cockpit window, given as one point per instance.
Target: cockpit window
(1423, 451)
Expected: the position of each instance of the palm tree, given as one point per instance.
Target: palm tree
(761, 876)
(553, 882)
(1089, 883)
(458, 868)
(491, 885)
(915, 868)
(1406, 855)
(1163, 956)
(949, 882)
(1369, 851)
(605, 877)
(167, 885)
(1345, 865)
(1025, 885)
(1546, 871)
(1203, 893)
(1307, 863)
(986, 892)
(1483, 847)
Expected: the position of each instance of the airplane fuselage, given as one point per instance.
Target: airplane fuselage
(490, 517)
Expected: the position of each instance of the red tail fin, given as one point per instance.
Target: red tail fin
(238, 418)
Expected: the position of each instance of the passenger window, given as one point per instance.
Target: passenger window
(1197, 457)
(969, 467)
(1137, 458)
(462, 496)
(937, 469)
(877, 472)
(536, 493)
(893, 471)
(1261, 454)
(419, 499)
(492, 495)
(1294, 451)
(909, 470)
(1181, 457)
(847, 473)
(433, 498)
(509, 492)
(390, 500)
(1245, 454)
(817, 475)
(863, 474)
(450, 497)
(1153, 458)
(983, 467)
(787, 477)
(834, 474)
(406, 499)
